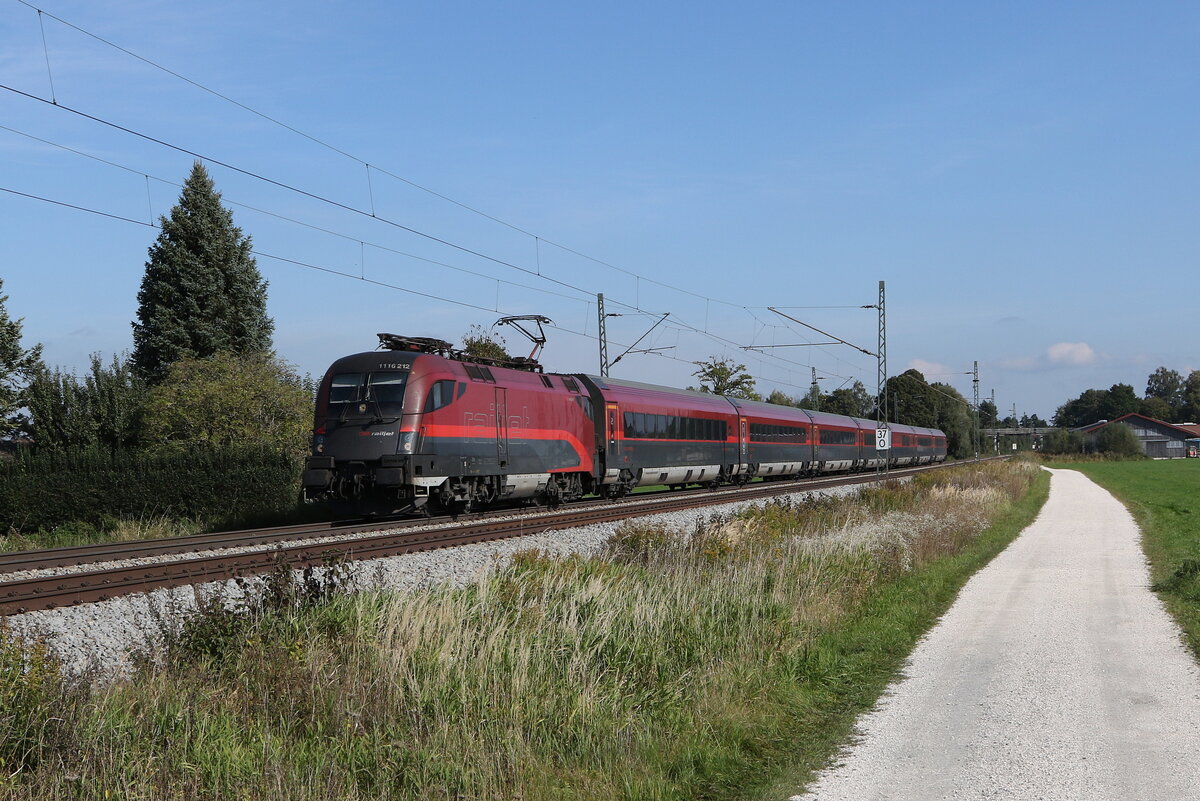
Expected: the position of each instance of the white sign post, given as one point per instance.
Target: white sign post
(883, 439)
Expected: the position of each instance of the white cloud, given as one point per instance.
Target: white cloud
(1071, 353)
(930, 368)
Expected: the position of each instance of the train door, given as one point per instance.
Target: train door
(502, 426)
(614, 433)
(743, 442)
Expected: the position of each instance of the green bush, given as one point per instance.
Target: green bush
(1063, 441)
(1117, 439)
(41, 491)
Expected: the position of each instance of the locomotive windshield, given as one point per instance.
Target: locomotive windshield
(381, 392)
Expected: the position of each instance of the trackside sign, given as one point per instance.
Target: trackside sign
(883, 439)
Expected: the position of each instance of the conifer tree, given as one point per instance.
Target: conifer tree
(18, 366)
(202, 293)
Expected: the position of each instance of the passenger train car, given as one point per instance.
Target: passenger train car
(419, 425)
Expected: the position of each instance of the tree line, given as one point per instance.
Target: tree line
(202, 372)
(911, 400)
(1170, 397)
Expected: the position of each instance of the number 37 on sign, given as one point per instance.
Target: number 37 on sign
(883, 439)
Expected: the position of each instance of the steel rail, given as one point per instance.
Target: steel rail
(49, 592)
(76, 555)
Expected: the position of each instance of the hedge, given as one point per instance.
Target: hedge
(48, 489)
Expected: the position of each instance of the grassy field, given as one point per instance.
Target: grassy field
(1164, 497)
(726, 663)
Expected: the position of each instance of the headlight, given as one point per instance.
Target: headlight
(405, 445)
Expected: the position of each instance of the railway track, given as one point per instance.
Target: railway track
(271, 548)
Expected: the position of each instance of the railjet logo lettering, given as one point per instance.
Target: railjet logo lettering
(377, 433)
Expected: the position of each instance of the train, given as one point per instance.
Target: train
(417, 426)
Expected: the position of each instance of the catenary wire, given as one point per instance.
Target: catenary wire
(302, 223)
(346, 207)
(368, 166)
(331, 271)
(679, 321)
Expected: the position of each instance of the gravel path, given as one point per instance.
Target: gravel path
(1056, 675)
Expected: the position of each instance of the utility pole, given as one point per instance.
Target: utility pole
(816, 392)
(881, 376)
(975, 386)
(1016, 424)
(603, 336)
(603, 332)
(996, 424)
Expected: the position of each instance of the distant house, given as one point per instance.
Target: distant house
(1159, 440)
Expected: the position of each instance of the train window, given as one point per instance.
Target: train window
(546, 381)
(833, 437)
(387, 390)
(343, 388)
(639, 425)
(570, 384)
(586, 405)
(462, 388)
(628, 424)
(440, 394)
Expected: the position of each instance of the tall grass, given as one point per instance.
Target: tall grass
(108, 529)
(693, 665)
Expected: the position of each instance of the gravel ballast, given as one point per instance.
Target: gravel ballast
(101, 638)
(1056, 674)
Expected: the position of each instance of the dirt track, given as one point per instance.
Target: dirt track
(1055, 675)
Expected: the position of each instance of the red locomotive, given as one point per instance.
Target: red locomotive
(418, 425)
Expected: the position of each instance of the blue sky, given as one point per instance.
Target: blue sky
(1022, 175)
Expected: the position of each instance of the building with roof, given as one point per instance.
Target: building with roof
(1159, 440)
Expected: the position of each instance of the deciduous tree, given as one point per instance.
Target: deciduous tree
(780, 398)
(853, 400)
(229, 399)
(202, 293)
(1166, 385)
(1082, 411)
(1189, 411)
(1120, 400)
(18, 366)
(989, 415)
(726, 377)
(481, 343)
(103, 408)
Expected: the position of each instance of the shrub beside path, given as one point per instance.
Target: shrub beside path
(1056, 675)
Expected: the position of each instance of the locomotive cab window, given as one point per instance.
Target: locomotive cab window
(383, 392)
(387, 390)
(343, 388)
(440, 394)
